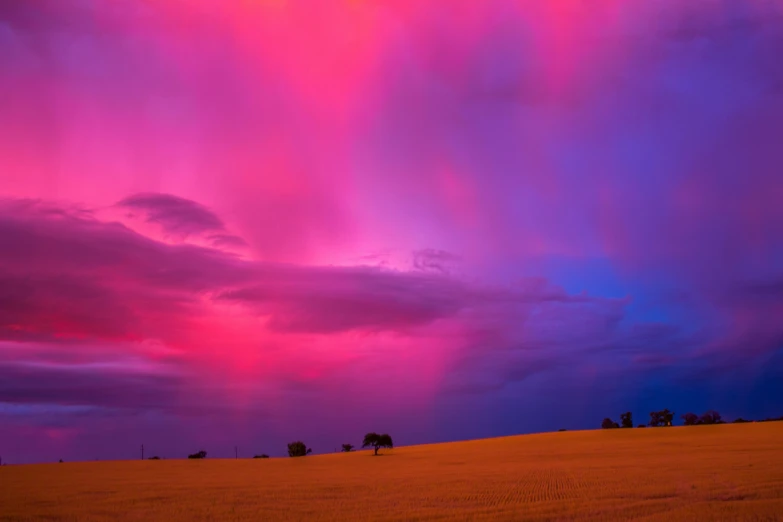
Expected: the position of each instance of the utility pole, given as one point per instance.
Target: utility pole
(142, 452)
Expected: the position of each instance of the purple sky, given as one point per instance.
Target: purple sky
(252, 222)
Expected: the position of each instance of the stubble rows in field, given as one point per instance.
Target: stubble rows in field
(728, 472)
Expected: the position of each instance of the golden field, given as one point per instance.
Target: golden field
(725, 472)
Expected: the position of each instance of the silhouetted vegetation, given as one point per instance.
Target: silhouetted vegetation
(298, 449)
(200, 455)
(661, 418)
(347, 448)
(709, 417)
(690, 419)
(377, 441)
(562, 429)
(665, 418)
(262, 456)
(154, 458)
(61, 461)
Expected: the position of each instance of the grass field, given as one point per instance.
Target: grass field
(726, 472)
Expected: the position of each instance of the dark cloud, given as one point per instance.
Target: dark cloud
(98, 385)
(176, 215)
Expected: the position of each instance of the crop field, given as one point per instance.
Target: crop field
(725, 472)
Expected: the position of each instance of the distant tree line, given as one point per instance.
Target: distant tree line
(665, 418)
(299, 449)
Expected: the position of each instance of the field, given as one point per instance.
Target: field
(726, 472)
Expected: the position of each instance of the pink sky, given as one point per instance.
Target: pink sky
(247, 222)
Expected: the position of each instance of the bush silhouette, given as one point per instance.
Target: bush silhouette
(200, 455)
(641, 426)
(154, 458)
(262, 456)
(298, 449)
(626, 420)
(377, 441)
(347, 448)
(609, 424)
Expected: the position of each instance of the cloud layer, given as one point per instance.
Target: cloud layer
(523, 214)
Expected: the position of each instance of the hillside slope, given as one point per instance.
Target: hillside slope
(726, 472)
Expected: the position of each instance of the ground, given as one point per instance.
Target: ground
(726, 472)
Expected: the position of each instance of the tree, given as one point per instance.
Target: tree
(298, 449)
(377, 441)
(690, 419)
(347, 448)
(609, 424)
(200, 455)
(626, 419)
(711, 417)
(661, 418)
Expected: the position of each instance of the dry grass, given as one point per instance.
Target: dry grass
(728, 472)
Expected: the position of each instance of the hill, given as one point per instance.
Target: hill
(724, 472)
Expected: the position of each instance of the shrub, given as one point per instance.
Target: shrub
(200, 455)
(262, 456)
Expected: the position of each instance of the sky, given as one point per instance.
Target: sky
(252, 222)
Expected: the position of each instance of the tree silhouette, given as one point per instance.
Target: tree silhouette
(626, 419)
(298, 449)
(347, 448)
(608, 424)
(690, 419)
(200, 455)
(711, 417)
(661, 418)
(377, 441)
(262, 456)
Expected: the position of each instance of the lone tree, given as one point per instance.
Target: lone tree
(347, 448)
(377, 441)
(609, 424)
(200, 455)
(626, 419)
(298, 449)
